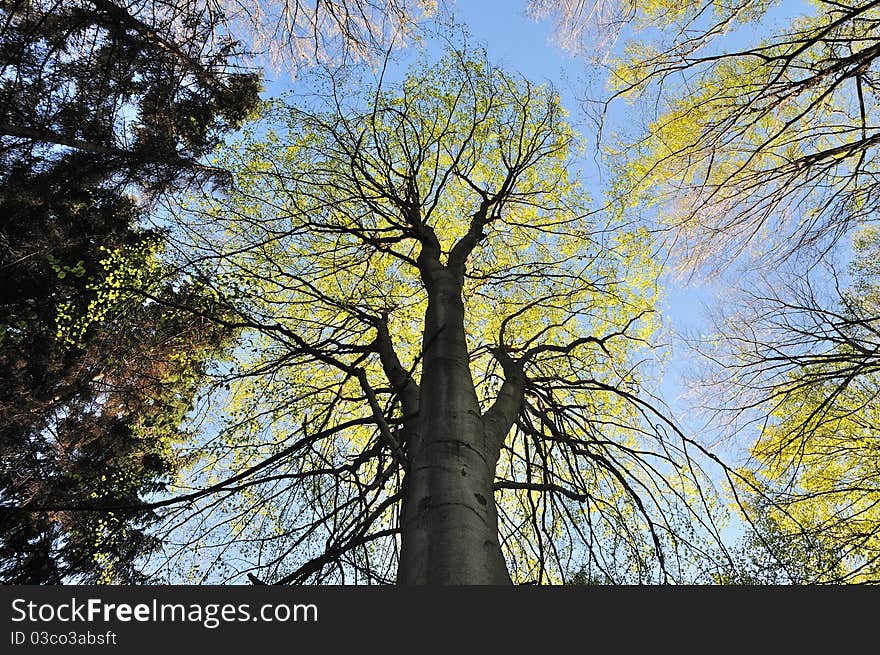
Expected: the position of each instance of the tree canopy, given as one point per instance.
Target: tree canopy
(414, 267)
(762, 152)
(806, 373)
(760, 138)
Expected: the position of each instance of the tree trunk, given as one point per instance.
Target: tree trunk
(450, 522)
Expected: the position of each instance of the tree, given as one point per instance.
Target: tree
(103, 106)
(807, 373)
(585, 28)
(438, 375)
(758, 139)
(771, 553)
(767, 142)
(295, 34)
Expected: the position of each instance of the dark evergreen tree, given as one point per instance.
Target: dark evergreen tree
(103, 107)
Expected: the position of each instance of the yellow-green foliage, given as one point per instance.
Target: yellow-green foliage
(818, 459)
(128, 271)
(753, 138)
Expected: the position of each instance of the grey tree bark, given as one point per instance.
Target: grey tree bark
(449, 526)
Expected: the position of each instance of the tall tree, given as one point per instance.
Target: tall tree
(103, 106)
(438, 377)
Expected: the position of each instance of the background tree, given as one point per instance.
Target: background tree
(771, 553)
(762, 148)
(295, 34)
(773, 142)
(103, 106)
(588, 29)
(807, 372)
(750, 134)
(438, 373)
